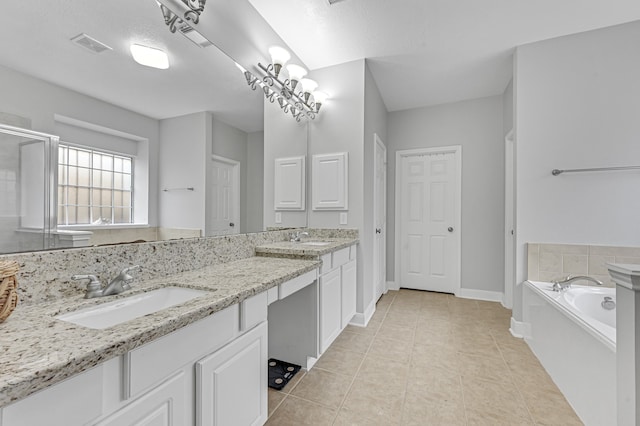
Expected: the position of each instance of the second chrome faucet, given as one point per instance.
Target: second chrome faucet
(122, 282)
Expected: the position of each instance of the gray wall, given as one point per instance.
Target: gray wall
(477, 126)
(255, 179)
(577, 106)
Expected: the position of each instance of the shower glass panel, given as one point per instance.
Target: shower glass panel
(27, 184)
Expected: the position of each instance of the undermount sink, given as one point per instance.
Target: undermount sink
(316, 243)
(135, 306)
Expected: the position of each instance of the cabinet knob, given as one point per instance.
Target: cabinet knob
(450, 229)
(378, 231)
(232, 224)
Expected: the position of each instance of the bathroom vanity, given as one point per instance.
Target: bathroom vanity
(201, 362)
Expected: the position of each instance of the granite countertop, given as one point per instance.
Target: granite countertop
(302, 249)
(38, 350)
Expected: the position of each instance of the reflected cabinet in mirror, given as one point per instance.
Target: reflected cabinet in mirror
(113, 151)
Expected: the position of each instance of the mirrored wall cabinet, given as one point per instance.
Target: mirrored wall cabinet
(330, 181)
(290, 183)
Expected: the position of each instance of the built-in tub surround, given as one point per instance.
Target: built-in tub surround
(548, 262)
(576, 346)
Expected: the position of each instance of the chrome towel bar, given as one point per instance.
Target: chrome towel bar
(556, 172)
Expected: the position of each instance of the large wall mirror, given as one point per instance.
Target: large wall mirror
(144, 153)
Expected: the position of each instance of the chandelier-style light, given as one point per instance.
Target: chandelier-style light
(196, 7)
(294, 93)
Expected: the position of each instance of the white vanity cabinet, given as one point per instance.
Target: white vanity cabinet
(217, 365)
(337, 288)
(230, 382)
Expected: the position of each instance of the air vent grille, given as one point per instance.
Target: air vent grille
(90, 43)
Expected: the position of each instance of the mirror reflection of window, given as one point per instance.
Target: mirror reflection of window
(94, 187)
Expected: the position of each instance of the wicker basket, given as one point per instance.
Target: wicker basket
(8, 286)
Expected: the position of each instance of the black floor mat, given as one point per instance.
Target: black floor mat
(280, 373)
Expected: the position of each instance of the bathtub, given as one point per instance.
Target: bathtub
(574, 337)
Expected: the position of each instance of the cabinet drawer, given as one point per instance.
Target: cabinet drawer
(150, 364)
(341, 257)
(75, 401)
(253, 311)
(289, 287)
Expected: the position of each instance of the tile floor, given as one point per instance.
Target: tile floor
(425, 359)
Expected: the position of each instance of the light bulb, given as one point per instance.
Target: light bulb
(308, 86)
(296, 73)
(319, 98)
(279, 58)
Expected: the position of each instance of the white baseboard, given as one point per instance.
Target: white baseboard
(362, 319)
(391, 285)
(489, 296)
(520, 329)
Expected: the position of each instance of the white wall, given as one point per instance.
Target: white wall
(39, 101)
(283, 137)
(577, 106)
(183, 161)
(255, 179)
(477, 126)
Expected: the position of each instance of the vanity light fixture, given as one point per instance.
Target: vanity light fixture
(196, 7)
(149, 56)
(294, 94)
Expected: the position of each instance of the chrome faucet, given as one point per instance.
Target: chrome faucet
(295, 236)
(119, 284)
(563, 284)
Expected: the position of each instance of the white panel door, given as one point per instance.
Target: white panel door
(380, 218)
(330, 181)
(289, 183)
(231, 384)
(225, 197)
(429, 239)
(330, 308)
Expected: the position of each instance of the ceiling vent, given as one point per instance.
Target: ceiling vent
(194, 36)
(90, 43)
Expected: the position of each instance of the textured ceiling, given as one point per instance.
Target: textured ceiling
(34, 39)
(421, 52)
(427, 52)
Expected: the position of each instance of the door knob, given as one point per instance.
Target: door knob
(232, 224)
(450, 229)
(378, 230)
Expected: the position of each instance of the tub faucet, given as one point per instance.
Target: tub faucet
(565, 283)
(119, 284)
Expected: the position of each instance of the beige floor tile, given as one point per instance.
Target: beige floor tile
(396, 350)
(383, 404)
(403, 317)
(436, 384)
(549, 408)
(296, 412)
(390, 330)
(275, 398)
(494, 401)
(477, 344)
(353, 341)
(487, 417)
(348, 417)
(419, 411)
(323, 387)
(378, 316)
(484, 368)
(339, 360)
(370, 329)
(294, 381)
(444, 357)
(383, 372)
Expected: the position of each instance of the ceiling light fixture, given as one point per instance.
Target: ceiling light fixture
(294, 94)
(149, 56)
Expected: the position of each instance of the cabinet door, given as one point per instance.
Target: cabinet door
(330, 308)
(163, 406)
(231, 384)
(348, 292)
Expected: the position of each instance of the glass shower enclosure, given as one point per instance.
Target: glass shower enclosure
(28, 182)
